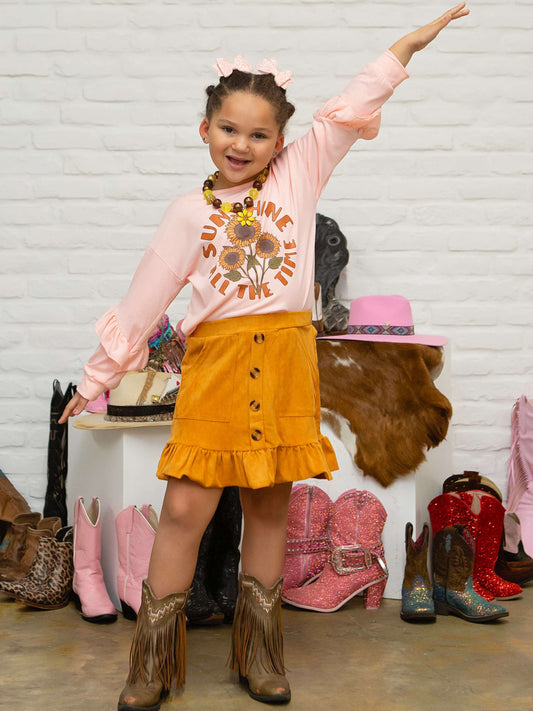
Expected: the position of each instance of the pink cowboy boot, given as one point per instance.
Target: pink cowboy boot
(136, 529)
(307, 542)
(356, 562)
(88, 582)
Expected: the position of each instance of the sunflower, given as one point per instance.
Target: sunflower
(242, 235)
(231, 258)
(245, 217)
(267, 246)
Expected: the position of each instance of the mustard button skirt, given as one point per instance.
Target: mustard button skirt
(248, 409)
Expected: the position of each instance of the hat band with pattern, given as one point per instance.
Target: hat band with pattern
(383, 330)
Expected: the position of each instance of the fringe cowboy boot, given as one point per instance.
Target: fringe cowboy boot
(257, 641)
(158, 652)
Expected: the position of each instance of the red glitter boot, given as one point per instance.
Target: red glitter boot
(356, 562)
(488, 537)
(482, 514)
(307, 542)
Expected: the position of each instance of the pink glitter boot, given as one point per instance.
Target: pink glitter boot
(307, 542)
(356, 562)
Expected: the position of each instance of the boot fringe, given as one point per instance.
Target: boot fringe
(257, 629)
(158, 651)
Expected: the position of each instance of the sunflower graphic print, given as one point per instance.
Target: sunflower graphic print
(251, 254)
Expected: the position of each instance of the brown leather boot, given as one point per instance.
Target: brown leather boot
(12, 503)
(158, 652)
(257, 641)
(45, 528)
(15, 537)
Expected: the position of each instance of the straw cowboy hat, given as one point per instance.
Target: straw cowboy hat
(386, 319)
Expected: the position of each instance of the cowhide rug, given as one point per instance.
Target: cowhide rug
(380, 400)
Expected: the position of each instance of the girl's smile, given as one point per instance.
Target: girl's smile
(242, 138)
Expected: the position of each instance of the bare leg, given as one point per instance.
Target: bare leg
(185, 514)
(265, 529)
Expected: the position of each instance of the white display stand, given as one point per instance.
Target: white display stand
(118, 465)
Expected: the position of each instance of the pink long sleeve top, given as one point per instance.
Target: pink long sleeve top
(237, 266)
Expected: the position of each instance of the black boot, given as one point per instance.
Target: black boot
(201, 608)
(224, 554)
(55, 502)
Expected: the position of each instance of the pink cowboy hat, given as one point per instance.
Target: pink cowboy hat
(387, 319)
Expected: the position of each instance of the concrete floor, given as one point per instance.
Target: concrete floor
(352, 659)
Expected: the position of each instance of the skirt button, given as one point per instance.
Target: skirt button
(259, 337)
(255, 406)
(254, 373)
(256, 435)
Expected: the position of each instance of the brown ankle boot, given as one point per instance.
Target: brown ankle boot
(158, 652)
(257, 641)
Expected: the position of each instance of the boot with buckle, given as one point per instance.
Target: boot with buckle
(257, 641)
(158, 652)
(307, 543)
(356, 561)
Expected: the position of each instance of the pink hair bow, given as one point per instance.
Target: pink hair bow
(267, 66)
(224, 68)
(270, 66)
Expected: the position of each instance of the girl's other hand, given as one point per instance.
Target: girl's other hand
(417, 40)
(74, 407)
(424, 35)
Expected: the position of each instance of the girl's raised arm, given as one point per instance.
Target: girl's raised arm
(417, 40)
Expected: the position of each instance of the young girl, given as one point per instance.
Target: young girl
(248, 411)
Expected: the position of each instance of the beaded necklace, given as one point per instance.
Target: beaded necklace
(237, 207)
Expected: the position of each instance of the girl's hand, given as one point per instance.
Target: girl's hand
(417, 40)
(74, 407)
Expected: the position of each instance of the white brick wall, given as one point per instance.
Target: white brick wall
(99, 107)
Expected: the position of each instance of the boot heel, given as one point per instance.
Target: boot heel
(373, 595)
(128, 612)
(441, 608)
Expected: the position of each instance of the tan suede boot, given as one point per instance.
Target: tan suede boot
(257, 641)
(158, 652)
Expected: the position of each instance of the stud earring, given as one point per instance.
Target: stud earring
(204, 139)
(274, 154)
